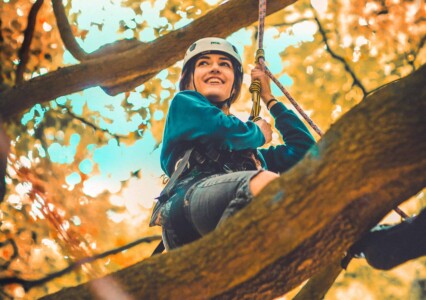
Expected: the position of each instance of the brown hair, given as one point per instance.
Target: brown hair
(188, 71)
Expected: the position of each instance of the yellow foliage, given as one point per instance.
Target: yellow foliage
(379, 41)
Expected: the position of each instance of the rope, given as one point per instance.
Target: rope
(262, 15)
(295, 104)
(260, 58)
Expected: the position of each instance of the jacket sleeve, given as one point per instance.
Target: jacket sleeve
(296, 136)
(193, 117)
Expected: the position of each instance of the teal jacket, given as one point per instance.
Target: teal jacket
(193, 119)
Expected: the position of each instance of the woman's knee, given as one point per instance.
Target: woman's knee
(261, 180)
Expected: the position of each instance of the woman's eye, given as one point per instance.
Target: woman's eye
(202, 63)
(225, 64)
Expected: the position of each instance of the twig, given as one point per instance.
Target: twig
(14, 255)
(28, 284)
(421, 44)
(356, 81)
(66, 33)
(4, 152)
(23, 53)
(416, 52)
(3, 86)
(294, 22)
(6, 295)
(90, 124)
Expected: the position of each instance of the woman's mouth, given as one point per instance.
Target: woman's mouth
(214, 80)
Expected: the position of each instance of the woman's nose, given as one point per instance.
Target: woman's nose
(215, 68)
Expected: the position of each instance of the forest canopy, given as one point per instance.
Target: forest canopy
(84, 90)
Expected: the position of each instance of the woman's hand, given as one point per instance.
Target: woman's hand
(257, 73)
(266, 129)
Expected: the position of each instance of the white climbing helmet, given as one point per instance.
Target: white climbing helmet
(211, 45)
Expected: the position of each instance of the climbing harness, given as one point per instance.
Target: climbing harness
(205, 159)
(255, 87)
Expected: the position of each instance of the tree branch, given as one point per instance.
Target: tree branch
(24, 51)
(416, 52)
(3, 86)
(90, 124)
(6, 295)
(14, 255)
(319, 284)
(4, 153)
(66, 33)
(119, 69)
(356, 81)
(306, 218)
(74, 48)
(28, 284)
(294, 22)
(115, 89)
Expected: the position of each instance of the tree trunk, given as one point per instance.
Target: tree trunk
(371, 160)
(124, 70)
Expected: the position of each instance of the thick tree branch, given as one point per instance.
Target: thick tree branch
(74, 48)
(28, 284)
(115, 89)
(122, 68)
(356, 81)
(24, 51)
(318, 285)
(66, 33)
(370, 160)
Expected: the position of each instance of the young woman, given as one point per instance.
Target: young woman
(211, 156)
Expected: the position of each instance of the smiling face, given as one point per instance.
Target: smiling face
(214, 77)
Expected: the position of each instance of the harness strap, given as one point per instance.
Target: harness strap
(159, 249)
(182, 165)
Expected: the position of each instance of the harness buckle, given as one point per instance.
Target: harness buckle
(179, 161)
(213, 154)
(199, 158)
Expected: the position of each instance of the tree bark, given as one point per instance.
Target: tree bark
(371, 160)
(317, 286)
(138, 64)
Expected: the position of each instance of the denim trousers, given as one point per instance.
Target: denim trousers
(208, 203)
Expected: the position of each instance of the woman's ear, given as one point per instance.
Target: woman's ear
(190, 85)
(233, 91)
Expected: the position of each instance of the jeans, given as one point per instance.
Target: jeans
(205, 205)
(214, 199)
